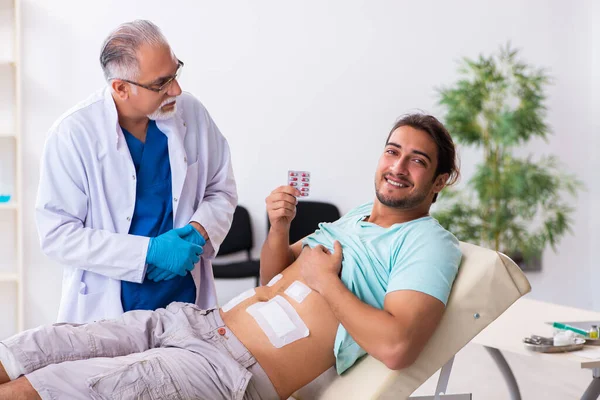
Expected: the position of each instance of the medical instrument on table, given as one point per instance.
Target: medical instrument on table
(560, 325)
(564, 340)
(585, 326)
(300, 180)
(535, 339)
(546, 345)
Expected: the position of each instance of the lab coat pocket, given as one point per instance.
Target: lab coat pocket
(90, 306)
(148, 379)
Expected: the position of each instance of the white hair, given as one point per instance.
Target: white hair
(118, 57)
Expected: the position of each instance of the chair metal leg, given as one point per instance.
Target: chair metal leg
(509, 377)
(442, 386)
(593, 390)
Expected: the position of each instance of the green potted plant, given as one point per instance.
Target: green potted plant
(512, 204)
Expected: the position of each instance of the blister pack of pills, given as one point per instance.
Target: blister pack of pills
(300, 180)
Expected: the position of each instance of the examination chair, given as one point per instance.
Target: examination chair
(486, 285)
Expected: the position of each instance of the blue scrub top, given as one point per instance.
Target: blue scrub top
(153, 216)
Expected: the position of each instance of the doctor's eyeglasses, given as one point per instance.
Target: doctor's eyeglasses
(163, 84)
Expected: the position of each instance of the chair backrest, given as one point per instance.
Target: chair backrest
(239, 237)
(486, 285)
(308, 216)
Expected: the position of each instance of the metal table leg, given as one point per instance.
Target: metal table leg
(593, 390)
(509, 377)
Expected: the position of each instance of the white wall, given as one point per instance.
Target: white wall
(592, 153)
(316, 85)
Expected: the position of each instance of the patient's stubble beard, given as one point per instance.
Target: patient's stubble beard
(407, 202)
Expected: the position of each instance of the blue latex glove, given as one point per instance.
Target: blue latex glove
(172, 253)
(157, 274)
(194, 237)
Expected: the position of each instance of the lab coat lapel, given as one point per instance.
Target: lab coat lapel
(115, 134)
(175, 129)
(111, 118)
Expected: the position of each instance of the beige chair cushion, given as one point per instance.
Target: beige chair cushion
(486, 285)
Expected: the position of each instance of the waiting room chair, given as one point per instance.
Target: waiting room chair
(487, 284)
(239, 238)
(308, 216)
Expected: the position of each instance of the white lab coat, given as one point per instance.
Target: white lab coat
(86, 199)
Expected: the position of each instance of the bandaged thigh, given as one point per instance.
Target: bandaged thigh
(279, 321)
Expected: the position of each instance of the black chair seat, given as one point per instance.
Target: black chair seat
(242, 269)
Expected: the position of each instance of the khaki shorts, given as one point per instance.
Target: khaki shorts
(181, 352)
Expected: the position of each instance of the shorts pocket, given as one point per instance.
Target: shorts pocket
(202, 311)
(177, 306)
(148, 379)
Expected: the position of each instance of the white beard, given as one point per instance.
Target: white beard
(160, 115)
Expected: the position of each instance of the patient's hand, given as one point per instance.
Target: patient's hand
(318, 265)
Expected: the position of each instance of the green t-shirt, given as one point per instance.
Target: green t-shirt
(417, 255)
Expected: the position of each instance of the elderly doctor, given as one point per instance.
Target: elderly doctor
(136, 189)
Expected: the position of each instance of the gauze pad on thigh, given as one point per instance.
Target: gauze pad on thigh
(298, 291)
(274, 279)
(238, 299)
(279, 321)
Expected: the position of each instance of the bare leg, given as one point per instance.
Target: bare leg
(3, 375)
(19, 389)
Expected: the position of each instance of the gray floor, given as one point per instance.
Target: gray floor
(474, 372)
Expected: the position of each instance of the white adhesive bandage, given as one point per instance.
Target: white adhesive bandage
(298, 291)
(279, 321)
(238, 299)
(274, 280)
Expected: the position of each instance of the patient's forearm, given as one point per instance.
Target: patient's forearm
(373, 329)
(276, 254)
(3, 375)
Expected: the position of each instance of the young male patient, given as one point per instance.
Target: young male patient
(376, 281)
